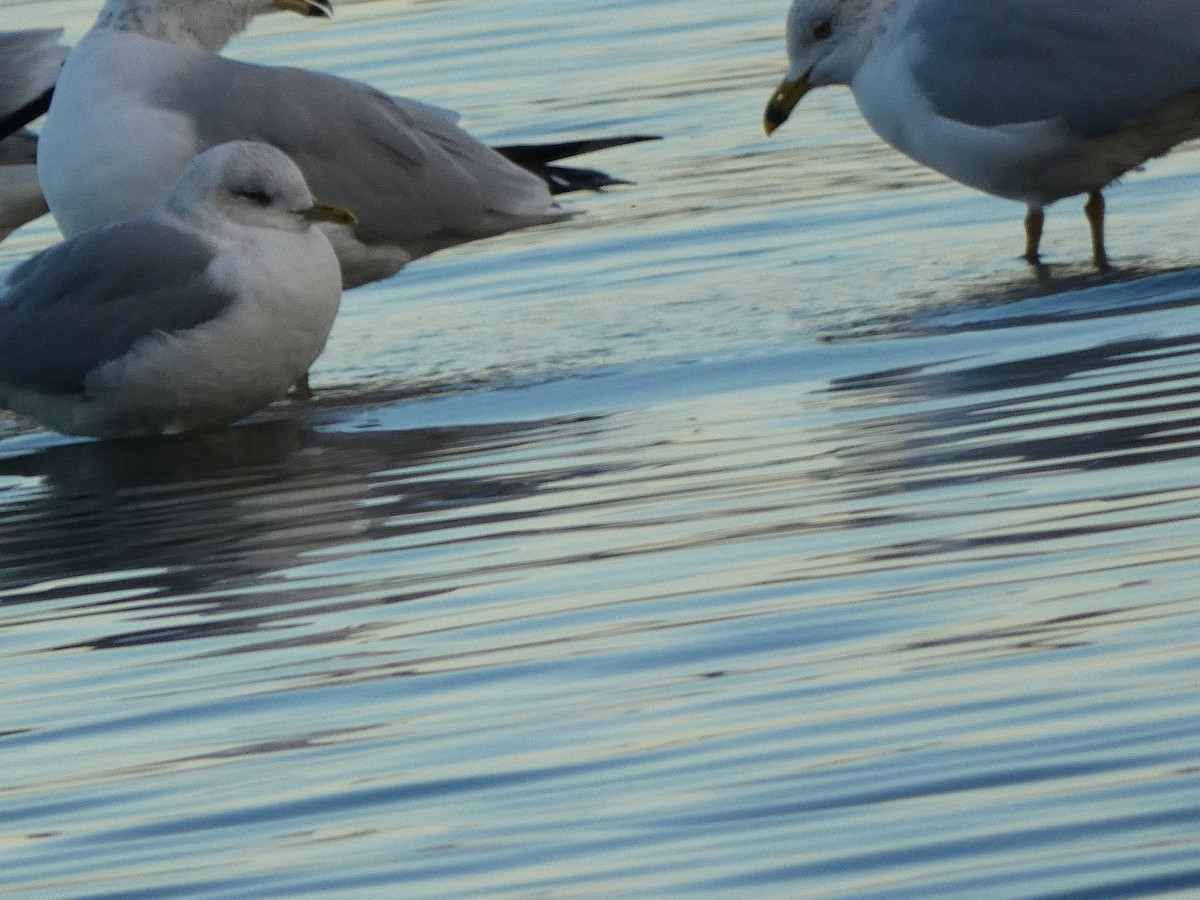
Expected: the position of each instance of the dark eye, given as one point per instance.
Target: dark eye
(822, 30)
(259, 198)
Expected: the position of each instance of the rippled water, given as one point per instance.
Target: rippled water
(767, 530)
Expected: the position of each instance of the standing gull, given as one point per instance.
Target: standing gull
(29, 64)
(144, 90)
(191, 316)
(1032, 100)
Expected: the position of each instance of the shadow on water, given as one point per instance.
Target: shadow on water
(1087, 452)
(1062, 294)
(212, 522)
(1127, 402)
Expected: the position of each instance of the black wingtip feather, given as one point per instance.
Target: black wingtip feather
(537, 158)
(17, 119)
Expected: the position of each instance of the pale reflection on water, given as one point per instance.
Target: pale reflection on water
(767, 530)
(848, 633)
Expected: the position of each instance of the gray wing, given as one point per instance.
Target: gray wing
(21, 197)
(29, 64)
(1094, 64)
(87, 301)
(407, 170)
(19, 149)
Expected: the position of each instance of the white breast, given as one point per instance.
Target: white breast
(106, 152)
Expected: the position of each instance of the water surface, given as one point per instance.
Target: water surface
(766, 530)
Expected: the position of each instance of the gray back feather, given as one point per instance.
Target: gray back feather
(29, 64)
(1093, 64)
(87, 301)
(406, 169)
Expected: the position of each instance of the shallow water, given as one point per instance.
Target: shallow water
(767, 530)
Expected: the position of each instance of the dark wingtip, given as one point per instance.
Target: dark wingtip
(19, 118)
(564, 179)
(537, 158)
(540, 154)
(605, 143)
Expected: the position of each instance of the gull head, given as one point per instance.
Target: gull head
(826, 43)
(208, 24)
(251, 184)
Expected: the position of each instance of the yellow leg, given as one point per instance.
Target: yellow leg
(1035, 218)
(1094, 210)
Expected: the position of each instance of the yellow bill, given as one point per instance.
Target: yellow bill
(329, 212)
(783, 101)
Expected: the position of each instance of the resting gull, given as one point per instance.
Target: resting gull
(191, 316)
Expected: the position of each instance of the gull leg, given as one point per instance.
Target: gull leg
(301, 388)
(1094, 210)
(1035, 218)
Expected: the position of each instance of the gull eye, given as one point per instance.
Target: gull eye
(258, 198)
(822, 30)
